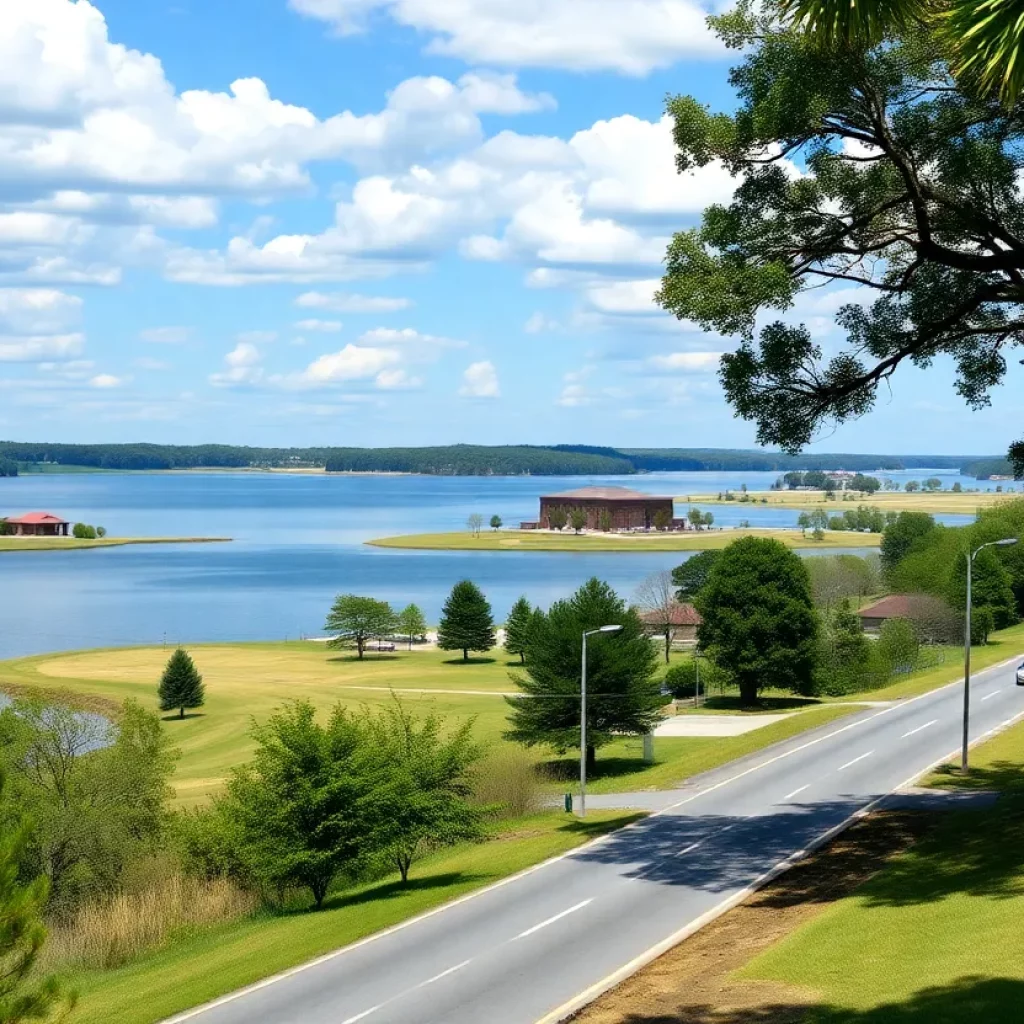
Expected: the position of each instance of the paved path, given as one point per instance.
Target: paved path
(716, 725)
(523, 951)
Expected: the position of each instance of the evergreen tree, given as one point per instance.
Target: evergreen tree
(622, 693)
(24, 995)
(758, 619)
(466, 621)
(181, 685)
(410, 621)
(519, 628)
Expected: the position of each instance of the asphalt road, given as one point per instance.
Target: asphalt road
(515, 953)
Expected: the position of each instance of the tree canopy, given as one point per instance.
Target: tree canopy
(181, 685)
(691, 575)
(866, 167)
(759, 622)
(354, 620)
(519, 628)
(622, 693)
(466, 621)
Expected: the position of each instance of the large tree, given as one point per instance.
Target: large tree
(866, 167)
(690, 576)
(622, 694)
(466, 621)
(759, 622)
(900, 536)
(181, 685)
(519, 628)
(411, 623)
(354, 620)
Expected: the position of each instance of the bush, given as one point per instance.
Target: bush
(83, 531)
(506, 783)
(681, 680)
(898, 646)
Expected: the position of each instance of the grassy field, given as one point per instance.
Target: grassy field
(896, 501)
(74, 544)
(703, 540)
(247, 681)
(934, 938)
(196, 968)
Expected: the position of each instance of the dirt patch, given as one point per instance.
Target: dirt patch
(694, 983)
(109, 709)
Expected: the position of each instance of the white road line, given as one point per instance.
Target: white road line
(994, 693)
(796, 792)
(725, 828)
(365, 1013)
(552, 920)
(444, 974)
(920, 728)
(854, 761)
(687, 849)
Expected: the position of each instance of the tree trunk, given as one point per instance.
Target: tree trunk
(522, 657)
(359, 647)
(465, 654)
(748, 692)
(181, 711)
(404, 862)
(668, 645)
(591, 757)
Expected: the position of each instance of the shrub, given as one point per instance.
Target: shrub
(507, 783)
(83, 531)
(681, 679)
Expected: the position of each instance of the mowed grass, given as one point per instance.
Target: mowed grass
(934, 938)
(194, 969)
(698, 540)
(943, 502)
(77, 544)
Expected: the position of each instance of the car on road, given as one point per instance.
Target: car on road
(1020, 675)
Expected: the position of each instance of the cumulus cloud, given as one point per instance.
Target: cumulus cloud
(408, 338)
(397, 380)
(352, 363)
(241, 366)
(629, 36)
(686, 362)
(480, 380)
(15, 349)
(37, 310)
(348, 302)
(106, 381)
(326, 326)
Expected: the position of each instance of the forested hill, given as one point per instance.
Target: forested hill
(466, 460)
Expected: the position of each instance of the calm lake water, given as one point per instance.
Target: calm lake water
(298, 541)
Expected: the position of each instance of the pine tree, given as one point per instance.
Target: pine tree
(466, 622)
(181, 685)
(623, 695)
(24, 994)
(519, 628)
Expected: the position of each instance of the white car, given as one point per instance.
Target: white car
(1020, 675)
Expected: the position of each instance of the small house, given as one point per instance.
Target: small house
(36, 524)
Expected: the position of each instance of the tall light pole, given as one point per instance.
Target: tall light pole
(583, 716)
(967, 644)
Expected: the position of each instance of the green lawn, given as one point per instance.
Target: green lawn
(945, 502)
(934, 938)
(197, 968)
(75, 544)
(703, 540)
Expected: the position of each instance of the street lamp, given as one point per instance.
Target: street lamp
(583, 716)
(1005, 542)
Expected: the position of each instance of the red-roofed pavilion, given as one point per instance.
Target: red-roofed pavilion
(37, 524)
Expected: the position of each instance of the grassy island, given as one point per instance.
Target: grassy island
(935, 502)
(76, 543)
(542, 540)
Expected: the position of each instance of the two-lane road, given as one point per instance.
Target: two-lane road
(515, 953)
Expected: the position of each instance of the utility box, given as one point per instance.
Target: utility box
(568, 803)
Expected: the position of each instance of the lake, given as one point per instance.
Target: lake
(298, 541)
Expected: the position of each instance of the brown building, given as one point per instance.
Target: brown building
(934, 620)
(683, 620)
(626, 509)
(37, 524)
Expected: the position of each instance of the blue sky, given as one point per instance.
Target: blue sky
(372, 222)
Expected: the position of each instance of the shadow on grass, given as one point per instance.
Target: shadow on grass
(175, 717)
(469, 661)
(394, 888)
(1004, 776)
(566, 769)
(986, 1000)
(731, 702)
(350, 659)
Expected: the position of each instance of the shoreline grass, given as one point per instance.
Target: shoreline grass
(700, 540)
(9, 544)
(941, 502)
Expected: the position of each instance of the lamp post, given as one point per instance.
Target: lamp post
(583, 716)
(1005, 542)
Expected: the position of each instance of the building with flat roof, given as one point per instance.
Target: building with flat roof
(36, 524)
(619, 507)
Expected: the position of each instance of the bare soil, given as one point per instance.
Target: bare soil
(693, 983)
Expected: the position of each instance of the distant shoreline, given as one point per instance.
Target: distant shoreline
(10, 544)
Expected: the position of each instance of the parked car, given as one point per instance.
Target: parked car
(1020, 675)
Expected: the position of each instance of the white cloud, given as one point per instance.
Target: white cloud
(242, 366)
(106, 381)
(625, 297)
(166, 335)
(37, 310)
(397, 380)
(347, 302)
(693, 362)
(257, 337)
(153, 365)
(539, 322)
(629, 36)
(326, 326)
(480, 380)
(407, 338)
(15, 349)
(574, 395)
(353, 362)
